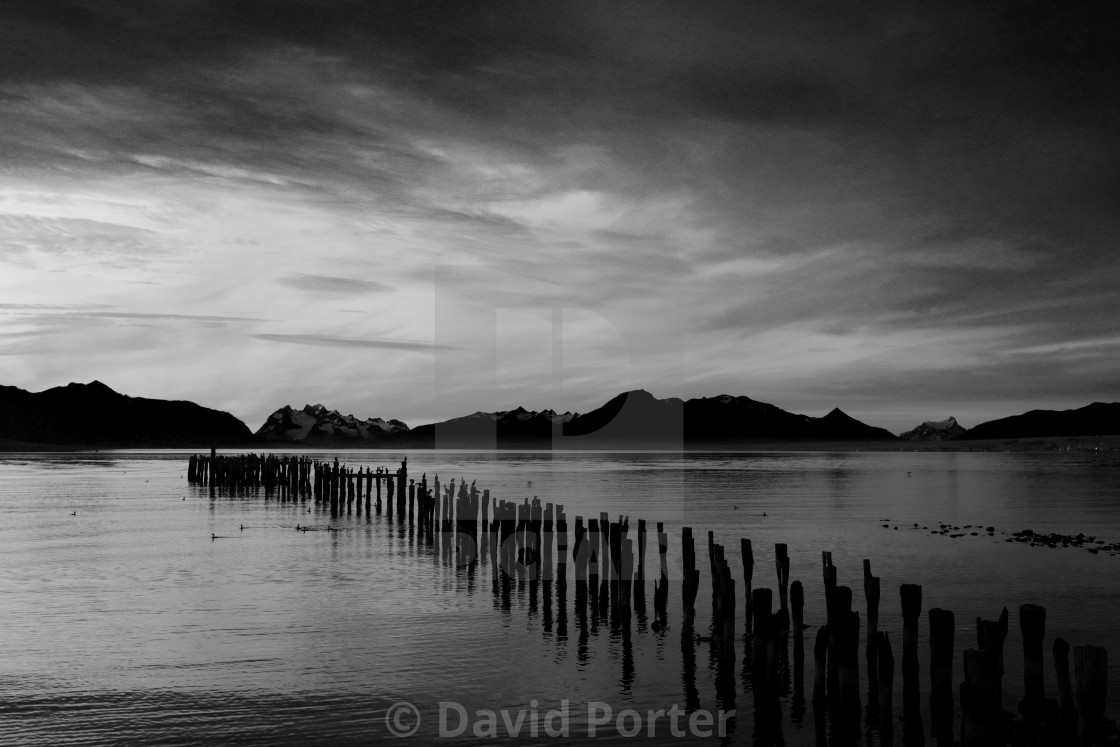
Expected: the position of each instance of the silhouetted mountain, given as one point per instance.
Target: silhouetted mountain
(934, 430)
(632, 419)
(637, 419)
(316, 425)
(1097, 419)
(517, 428)
(95, 415)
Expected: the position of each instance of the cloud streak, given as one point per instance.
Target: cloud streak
(353, 342)
(331, 285)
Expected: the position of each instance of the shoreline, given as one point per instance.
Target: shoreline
(1051, 444)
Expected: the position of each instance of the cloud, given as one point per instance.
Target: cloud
(332, 285)
(854, 189)
(353, 342)
(63, 313)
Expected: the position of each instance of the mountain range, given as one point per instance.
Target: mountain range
(934, 430)
(93, 415)
(633, 419)
(316, 425)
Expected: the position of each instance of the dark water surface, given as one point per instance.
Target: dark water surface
(127, 624)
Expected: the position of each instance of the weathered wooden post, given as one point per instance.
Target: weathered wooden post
(820, 661)
(1061, 668)
(761, 602)
(797, 611)
(797, 606)
(561, 548)
(691, 581)
(843, 644)
(661, 591)
(411, 500)
(390, 493)
(1090, 666)
(871, 596)
(911, 610)
(990, 636)
(605, 571)
(640, 574)
(781, 566)
(941, 633)
(980, 711)
(748, 577)
(579, 553)
(1032, 624)
(884, 660)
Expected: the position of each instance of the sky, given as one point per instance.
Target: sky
(418, 210)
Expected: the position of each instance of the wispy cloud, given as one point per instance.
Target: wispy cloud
(63, 313)
(353, 342)
(333, 285)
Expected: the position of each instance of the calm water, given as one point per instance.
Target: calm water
(127, 624)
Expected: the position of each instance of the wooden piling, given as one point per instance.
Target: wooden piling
(1032, 624)
(871, 597)
(911, 595)
(980, 711)
(990, 636)
(797, 606)
(941, 633)
(781, 567)
(748, 577)
(884, 660)
(763, 668)
(1090, 665)
(691, 582)
(1061, 675)
(820, 661)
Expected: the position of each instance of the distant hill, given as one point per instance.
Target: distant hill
(637, 419)
(517, 428)
(1097, 419)
(318, 426)
(934, 430)
(93, 415)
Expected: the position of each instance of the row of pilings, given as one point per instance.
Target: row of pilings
(526, 546)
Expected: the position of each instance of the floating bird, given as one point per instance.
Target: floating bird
(736, 508)
(213, 536)
(73, 513)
